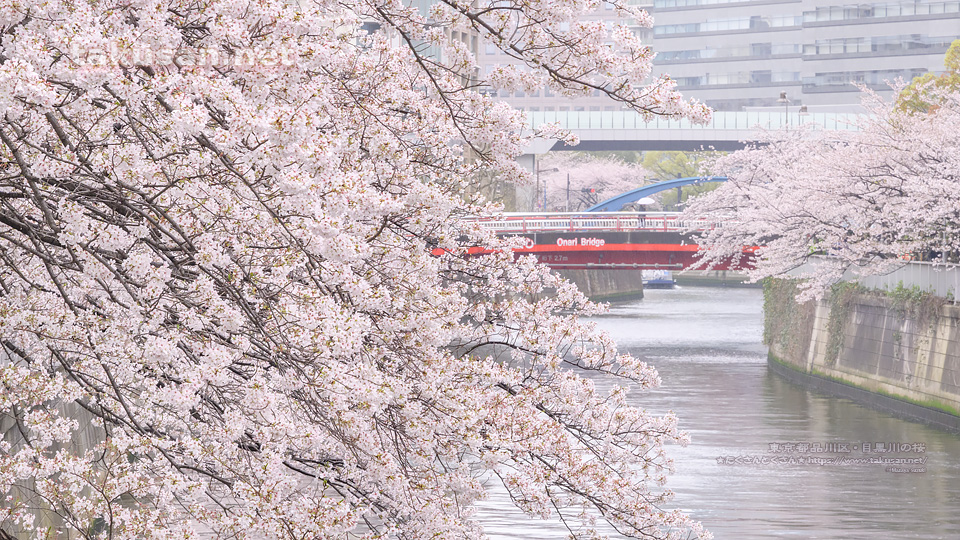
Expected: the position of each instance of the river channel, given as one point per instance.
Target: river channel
(751, 470)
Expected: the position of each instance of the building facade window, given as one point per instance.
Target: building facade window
(754, 50)
(875, 78)
(725, 25)
(759, 77)
(667, 4)
(879, 44)
(871, 11)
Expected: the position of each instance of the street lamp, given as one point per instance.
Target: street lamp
(786, 102)
(786, 108)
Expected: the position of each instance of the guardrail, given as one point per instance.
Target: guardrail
(940, 280)
(936, 279)
(580, 222)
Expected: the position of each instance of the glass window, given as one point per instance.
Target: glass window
(760, 49)
(761, 76)
(786, 76)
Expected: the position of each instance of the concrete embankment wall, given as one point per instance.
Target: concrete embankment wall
(604, 285)
(713, 278)
(896, 352)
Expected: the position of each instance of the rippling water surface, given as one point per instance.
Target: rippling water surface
(706, 344)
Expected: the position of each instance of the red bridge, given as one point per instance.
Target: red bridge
(608, 240)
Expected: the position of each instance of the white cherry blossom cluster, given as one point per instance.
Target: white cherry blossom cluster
(243, 302)
(863, 200)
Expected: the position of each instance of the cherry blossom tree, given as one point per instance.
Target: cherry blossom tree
(235, 300)
(605, 176)
(865, 199)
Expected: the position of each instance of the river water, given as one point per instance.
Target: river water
(740, 477)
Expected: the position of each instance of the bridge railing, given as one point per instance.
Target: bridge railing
(513, 223)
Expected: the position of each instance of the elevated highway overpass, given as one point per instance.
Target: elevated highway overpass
(627, 130)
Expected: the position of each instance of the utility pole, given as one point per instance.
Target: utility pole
(537, 200)
(567, 208)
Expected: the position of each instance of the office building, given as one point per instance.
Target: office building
(737, 55)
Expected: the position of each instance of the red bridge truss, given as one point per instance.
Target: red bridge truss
(610, 240)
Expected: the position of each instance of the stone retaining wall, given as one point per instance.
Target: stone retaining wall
(604, 285)
(904, 352)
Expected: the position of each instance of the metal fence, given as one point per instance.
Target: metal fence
(928, 277)
(937, 279)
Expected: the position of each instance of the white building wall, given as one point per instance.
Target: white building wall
(816, 60)
(744, 54)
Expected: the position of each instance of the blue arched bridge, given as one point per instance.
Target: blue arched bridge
(616, 203)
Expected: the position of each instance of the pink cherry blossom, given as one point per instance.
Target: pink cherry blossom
(235, 296)
(861, 200)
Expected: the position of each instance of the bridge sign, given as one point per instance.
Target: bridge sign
(661, 240)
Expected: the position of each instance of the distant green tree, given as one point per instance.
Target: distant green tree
(918, 96)
(669, 165)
